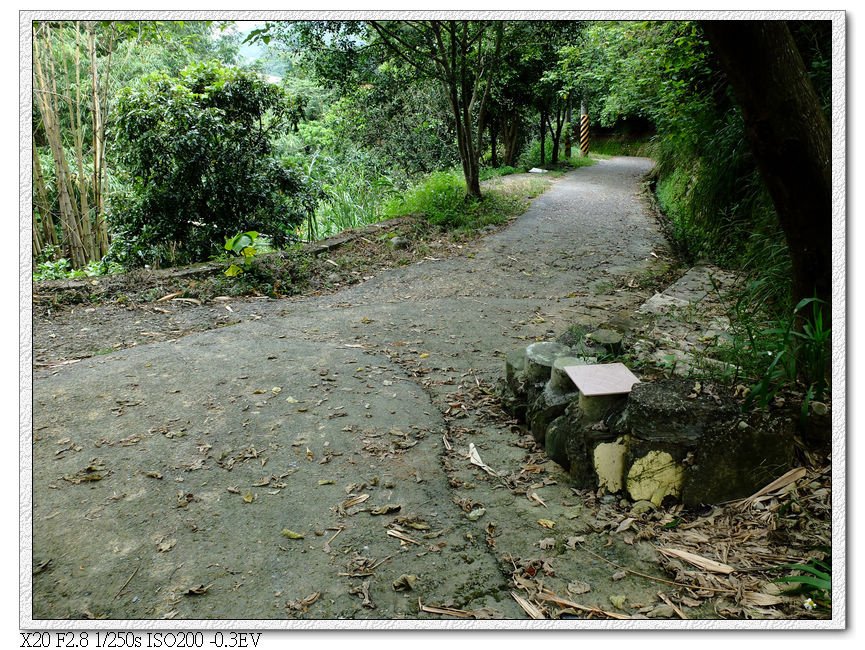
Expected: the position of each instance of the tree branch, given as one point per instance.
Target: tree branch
(388, 38)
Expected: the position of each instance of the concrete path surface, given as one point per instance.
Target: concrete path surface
(315, 462)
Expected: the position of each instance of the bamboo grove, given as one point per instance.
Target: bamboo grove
(70, 93)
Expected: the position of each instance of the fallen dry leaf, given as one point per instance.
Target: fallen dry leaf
(165, 545)
(353, 501)
(446, 611)
(778, 484)
(302, 604)
(697, 560)
(760, 599)
(405, 582)
(547, 523)
(625, 524)
(530, 609)
(475, 459)
(363, 591)
(95, 471)
(415, 523)
(547, 595)
(672, 605)
(402, 537)
(577, 587)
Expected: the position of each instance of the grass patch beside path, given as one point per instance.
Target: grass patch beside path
(608, 147)
(441, 200)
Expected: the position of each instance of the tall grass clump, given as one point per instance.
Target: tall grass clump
(352, 200)
(352, 189)
(773, 353)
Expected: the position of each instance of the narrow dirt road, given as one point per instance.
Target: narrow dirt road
(313, 462)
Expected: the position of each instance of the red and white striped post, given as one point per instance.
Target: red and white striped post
(584, 130)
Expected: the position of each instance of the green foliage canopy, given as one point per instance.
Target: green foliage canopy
(198, 149)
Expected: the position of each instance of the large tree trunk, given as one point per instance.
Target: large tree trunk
(461, 55)
(494, 141)
(556, 132)
(543, 136)
(568, 131)
(790, 138)
(512, 140)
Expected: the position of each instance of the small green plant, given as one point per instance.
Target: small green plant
(802, 353)
(61, 269)
(52, 270)
(242, 246)
(812, 579)
(773, 353)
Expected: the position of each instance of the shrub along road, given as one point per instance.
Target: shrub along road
(314, 461)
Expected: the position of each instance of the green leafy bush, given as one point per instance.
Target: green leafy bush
(199, 155)
(531, 157)
(52, 270)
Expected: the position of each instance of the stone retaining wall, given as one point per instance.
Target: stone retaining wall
(673, 438)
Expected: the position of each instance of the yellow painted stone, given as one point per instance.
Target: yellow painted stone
(655, 476)
(610, 464)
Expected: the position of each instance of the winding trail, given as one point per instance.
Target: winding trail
(175, 480)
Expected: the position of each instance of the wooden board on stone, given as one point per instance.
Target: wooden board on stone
(602, 379)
